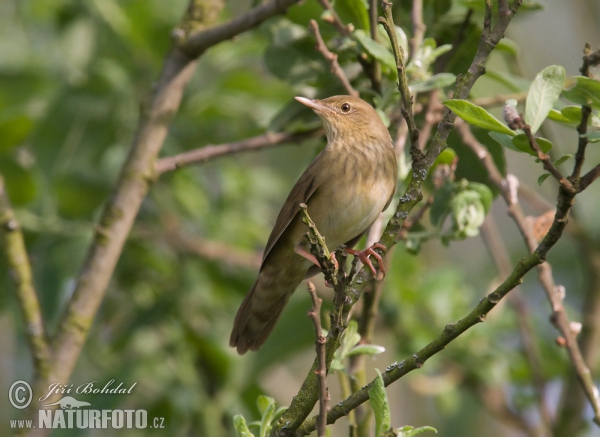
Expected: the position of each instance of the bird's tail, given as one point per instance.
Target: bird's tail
(260, 310)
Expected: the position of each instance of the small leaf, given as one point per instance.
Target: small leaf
(562, 159)
(544, 91)
(585, 92)
(542, 178)
(355, 12)
(485, 194)
(381, 407)
(440, 80)
(477, 116)
(375, 49)
(409, 431)
(522, 143)
(555, 115)
(366, 349)
(593, 137)
(239, 423)
(263, 403)
(446, 157)
(504, 140)
(509, 46)
(440, 208)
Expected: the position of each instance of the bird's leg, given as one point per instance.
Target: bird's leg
(304, 254)
(363, 255)
(309, 256)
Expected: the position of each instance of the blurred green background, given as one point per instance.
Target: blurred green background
(72, 77)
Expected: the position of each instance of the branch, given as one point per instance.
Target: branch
(514, 122)
(18, 262)
(589, 177)
(321, 371)
(407, 113)
(332, 59)
(418, 27)
(198, 42)
(209, 152)
(136, 175)
(559, 317)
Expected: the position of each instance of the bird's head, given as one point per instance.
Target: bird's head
(347, 117)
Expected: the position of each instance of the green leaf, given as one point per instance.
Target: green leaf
(375, 49)
(485, 194)
(409, 431)
(544, 90)
(239, 423)
(14, 131)
(468, 211)
(593, 137)
(509, 46)
(264, 403)
(441, 204)
(381, 407)
(585, 92)
(366, 349)
(447, 156)
(477, 116)
(504, 140)
(440, 80)
(542, 178)
(562, 159)
(355, 12)
(558, 116)
(522, 143)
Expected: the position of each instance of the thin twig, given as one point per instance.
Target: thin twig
(514, 121)
(589, 177)
(499, 99)
(418, 27)
(321, 371)
(206, 153)
(332, 59)
(18, 261)
(495, 244)
(559, 317)
(388, 23)
(199, 41)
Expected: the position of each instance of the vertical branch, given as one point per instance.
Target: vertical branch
(388, 23)
(321, 371)
(419, 27)
(18, 261)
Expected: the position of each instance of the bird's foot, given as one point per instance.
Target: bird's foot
(363, 255)
(309, 256)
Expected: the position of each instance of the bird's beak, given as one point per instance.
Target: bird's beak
(315, 105)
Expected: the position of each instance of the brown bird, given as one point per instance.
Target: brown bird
(345, 189)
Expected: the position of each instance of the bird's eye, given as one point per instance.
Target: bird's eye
(345, 107)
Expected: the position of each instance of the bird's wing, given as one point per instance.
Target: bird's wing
(305, 187)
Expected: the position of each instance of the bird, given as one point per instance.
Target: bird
(345, 189)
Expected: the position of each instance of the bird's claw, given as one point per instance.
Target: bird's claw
(363, 256)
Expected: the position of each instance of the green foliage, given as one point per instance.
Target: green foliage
(349, 346)
(381, 407)
(477, 116)
(544, 91)
(467, 203)
(269, 412)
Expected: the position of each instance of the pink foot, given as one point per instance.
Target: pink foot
(363, 255)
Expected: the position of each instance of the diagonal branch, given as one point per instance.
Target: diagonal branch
(18, 261)
(206, 153)
(332, 59)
